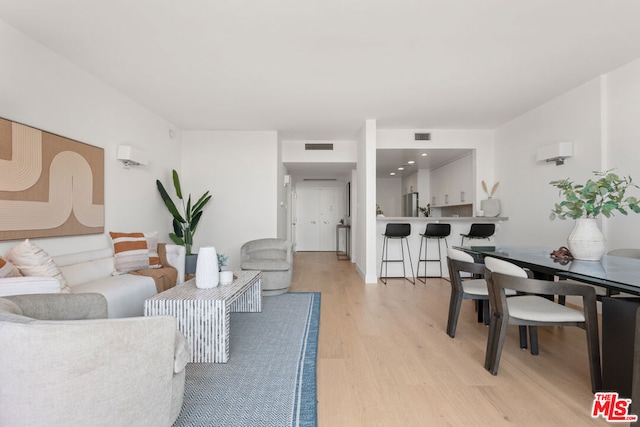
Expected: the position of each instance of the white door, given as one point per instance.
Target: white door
(308, 220)
(318, 212)
(329, 218)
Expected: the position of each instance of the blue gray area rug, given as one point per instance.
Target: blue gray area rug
(270, 379)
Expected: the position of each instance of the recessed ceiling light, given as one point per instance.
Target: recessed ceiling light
(400, 169)
(424, 154)
(410, 162)
(392, 173)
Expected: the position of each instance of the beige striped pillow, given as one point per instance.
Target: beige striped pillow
(130, 252)
(32, 260)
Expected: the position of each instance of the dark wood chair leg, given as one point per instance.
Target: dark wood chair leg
(533, 339)
(454, 313)
(488, 359)
(498, 343)
(523, 336)
(485, 311)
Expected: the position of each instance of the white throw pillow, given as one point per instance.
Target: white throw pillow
(32, 260)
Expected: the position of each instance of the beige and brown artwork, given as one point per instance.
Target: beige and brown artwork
(49, 185)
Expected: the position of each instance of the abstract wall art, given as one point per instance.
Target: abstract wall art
(49, 185)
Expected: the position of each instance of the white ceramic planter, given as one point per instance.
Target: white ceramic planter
(586, 242)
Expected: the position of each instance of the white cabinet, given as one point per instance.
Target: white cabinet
(452, 184)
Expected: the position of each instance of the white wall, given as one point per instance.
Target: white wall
(623, 146)
(240, 169)
(364, 223)
(389, 196)
(344, 151)
(40, 89)
(525, 193)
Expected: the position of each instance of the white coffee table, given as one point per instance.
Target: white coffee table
(203, 314)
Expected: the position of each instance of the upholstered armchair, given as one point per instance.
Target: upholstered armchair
(274, 258)
(63, 363)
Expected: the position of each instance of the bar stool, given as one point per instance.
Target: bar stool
(479, 231)
(396, 232)
(433, 231)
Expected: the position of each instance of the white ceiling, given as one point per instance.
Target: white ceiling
(317, 69)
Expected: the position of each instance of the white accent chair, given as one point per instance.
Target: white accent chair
(274, 257)
(534, 310)
(64, 364)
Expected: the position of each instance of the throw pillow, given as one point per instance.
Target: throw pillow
(130, 252)
(152, 245)
(7, 269)
(32, 260)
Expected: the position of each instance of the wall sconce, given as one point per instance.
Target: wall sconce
(287, 180)
(130, 156)
(555, 152)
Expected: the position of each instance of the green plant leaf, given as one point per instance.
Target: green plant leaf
(168, 202)
(176, 184)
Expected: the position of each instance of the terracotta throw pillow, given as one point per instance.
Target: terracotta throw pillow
(7, 269)
(32, 260)
(130, 252)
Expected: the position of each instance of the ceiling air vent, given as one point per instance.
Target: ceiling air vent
(423, 137)
(318, 146)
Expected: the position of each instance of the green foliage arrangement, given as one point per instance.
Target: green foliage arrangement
(185, 221)
(222, 260)
(603, 195)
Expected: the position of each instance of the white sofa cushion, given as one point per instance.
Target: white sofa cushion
(28, 285)
(125, 293)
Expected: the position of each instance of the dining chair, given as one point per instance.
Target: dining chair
(471, 289)
(533, 309)
(467, 288)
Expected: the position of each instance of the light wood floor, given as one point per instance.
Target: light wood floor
(384, 359)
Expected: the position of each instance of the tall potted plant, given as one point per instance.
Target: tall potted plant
(603, 195)
(185, 219)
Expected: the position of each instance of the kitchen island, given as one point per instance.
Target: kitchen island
(459, 225)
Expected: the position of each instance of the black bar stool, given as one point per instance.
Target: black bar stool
(479, 231)
(396, 232)
(433, 231)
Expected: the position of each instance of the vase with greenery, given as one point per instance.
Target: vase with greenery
(187, 217)
(605, 195)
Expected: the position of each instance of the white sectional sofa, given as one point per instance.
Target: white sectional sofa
(92, 272)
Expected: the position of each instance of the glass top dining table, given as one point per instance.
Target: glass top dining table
(613, 272)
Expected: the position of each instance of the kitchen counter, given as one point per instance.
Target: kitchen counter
(459, 225)
(442, 218)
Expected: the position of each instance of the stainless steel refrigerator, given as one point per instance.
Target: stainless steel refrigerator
(410, 204)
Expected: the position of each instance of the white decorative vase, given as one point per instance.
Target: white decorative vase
(490, 207)
(207, 269)
(586, 242)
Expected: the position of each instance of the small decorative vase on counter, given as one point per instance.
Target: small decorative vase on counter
(586, 242)
(490, 207)
(207, 270)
